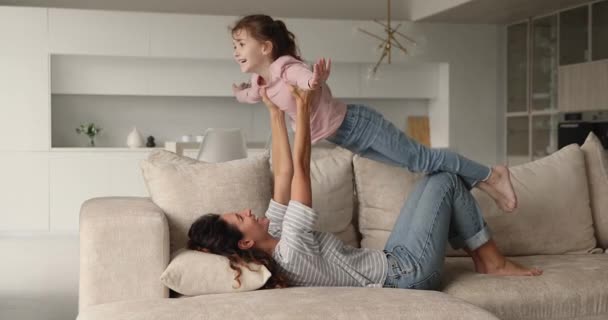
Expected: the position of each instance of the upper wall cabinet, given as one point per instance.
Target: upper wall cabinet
(24, 79)
(99, 32)
(190, 36)
(400, 81)
(599, 30)
(99, 75)
(517, 68)
(574, 36)
(583, 74)
(544, 64)
(582, 87)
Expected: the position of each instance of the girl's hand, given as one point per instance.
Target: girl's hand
(236, 88)
(269, 104)
(320, 73)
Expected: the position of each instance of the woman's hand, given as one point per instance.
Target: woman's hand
(240, 87)
(303, 97)
(320, 73)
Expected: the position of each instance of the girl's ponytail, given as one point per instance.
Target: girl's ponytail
(263, 28)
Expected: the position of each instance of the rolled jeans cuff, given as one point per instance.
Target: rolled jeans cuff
(474, 242)
(474, 183)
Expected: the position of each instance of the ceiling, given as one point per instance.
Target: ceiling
(448, 11)
(316, 9)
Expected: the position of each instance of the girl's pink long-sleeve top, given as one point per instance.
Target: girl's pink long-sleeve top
(327, 113)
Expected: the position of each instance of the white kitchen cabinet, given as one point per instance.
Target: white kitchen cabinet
(188, 77)
(574, 36)
(24, 191)
(190, 36)
(599, 30)
(24, 80)
(394, 81)
(97, 32)
(582, 87)
(79, 74)
(78, 176)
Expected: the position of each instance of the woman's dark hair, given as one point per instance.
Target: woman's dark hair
(210, 233)
(263, 28)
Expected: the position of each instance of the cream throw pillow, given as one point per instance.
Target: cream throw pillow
(553, 216)
(186, 189)
(596, 158)
(193, 273)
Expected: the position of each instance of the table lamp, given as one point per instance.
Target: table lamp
(222, 144)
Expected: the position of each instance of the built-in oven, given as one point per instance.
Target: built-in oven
(577, 131)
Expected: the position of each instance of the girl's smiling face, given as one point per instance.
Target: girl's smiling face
(249, 53)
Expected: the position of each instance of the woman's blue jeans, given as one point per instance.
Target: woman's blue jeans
(366, 132)
(439, 210)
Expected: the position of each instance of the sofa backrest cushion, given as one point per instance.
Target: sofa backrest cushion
(596, 158)
(553, 215)
(333, 198)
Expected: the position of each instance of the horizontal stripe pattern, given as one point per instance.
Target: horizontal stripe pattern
(313, 258)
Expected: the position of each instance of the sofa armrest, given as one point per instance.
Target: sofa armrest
(124, 248)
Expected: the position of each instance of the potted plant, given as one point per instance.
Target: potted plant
(90, 130)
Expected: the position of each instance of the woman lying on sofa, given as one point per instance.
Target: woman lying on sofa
(439, 210)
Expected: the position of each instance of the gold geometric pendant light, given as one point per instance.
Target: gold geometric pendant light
(390, 40)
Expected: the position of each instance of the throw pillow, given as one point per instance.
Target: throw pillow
(596, 158)
(186, 189)
(193, 273)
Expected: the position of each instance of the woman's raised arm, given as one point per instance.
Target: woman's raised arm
(300, 186)
(282, 165)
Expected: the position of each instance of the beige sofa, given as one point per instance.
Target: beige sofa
(560, 226)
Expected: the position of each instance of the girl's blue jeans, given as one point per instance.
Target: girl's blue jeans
(366, 132)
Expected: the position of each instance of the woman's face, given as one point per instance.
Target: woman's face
(252, 227)
(249, 53)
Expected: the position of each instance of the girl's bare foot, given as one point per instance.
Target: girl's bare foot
(510, 268)
(500, 188)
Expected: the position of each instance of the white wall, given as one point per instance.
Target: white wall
(42, 281)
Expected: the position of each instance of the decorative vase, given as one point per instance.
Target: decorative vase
(91, 141)
(151, 143)
(135, 139)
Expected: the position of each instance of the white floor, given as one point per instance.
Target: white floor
(39, 276)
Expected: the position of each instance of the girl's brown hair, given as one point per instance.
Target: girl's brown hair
(210, 233)
(263, 28)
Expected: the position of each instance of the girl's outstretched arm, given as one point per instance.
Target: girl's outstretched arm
(300, 186)
(282, 165)
(298, 74)
(247, 92)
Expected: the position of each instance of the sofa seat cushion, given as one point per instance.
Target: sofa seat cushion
(571, 287)
(296, 303)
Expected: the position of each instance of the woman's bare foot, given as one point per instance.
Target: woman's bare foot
(500, 188)
(510, 268)
(479, 266)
